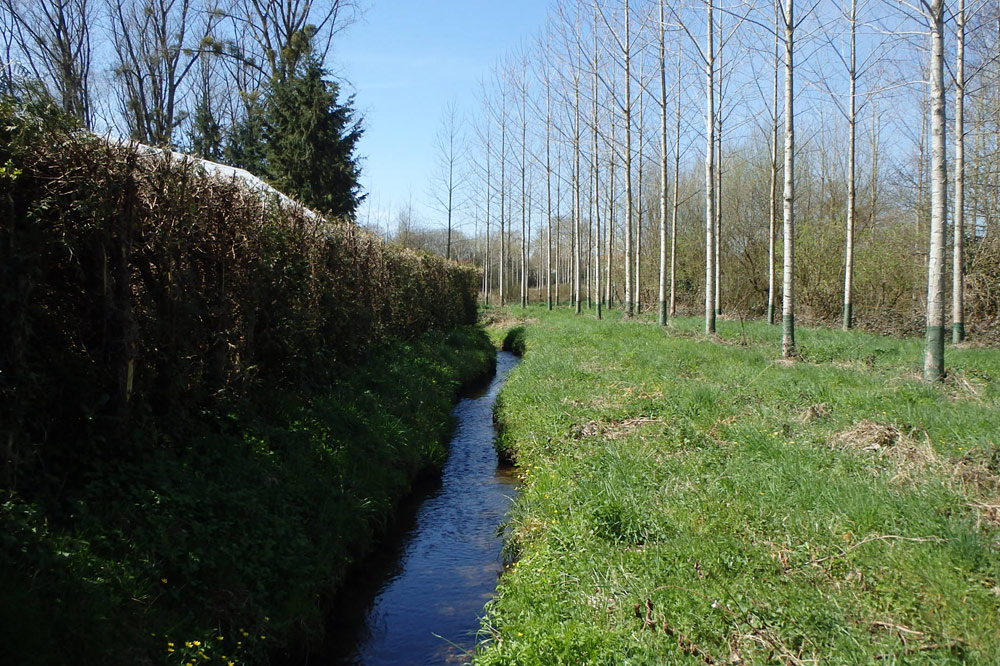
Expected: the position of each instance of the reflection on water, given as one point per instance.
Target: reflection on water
(421, 601)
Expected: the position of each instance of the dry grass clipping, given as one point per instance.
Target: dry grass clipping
(611, 429)
(914, 461)
(814, 412)
(504, 319)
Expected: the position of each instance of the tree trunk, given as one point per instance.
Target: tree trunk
(524, 195)
(486, 270)
(627, 117)
(637, 283)
(503, 189)
(662, 318)
(958, 258)
(610, 218)
(718, 185)
(851, 177)
(710, 176)
(788, 281)
(596, 166)
(576, 193)
(676, 205)
(548, 190)
(934, 349)
(773, 222)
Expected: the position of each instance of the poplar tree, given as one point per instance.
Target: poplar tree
(788, 275)
(934, 341)
(958, 256)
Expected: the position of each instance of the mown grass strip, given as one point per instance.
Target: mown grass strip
(688, 500)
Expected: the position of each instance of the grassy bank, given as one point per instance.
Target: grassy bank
(692, 501)
(217, 548)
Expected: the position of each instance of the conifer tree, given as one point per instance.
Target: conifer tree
(310, 138)
(245, 139)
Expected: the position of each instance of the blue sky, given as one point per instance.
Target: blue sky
(405, 60)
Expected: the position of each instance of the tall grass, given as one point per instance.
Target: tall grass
(700, 501)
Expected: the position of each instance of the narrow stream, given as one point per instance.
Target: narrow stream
(421, 601)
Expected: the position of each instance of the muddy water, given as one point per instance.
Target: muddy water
(422, 600)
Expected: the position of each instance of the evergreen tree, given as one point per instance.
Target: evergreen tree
(206, 132)
(310, 140)
(245, 141)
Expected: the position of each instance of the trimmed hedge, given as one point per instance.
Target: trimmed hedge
(135, 288)
(209, 402)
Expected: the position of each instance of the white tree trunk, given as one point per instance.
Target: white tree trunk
(576, 192)
(958, 258)
(851, 178)
(596, 166)
(524, 174)
(772, 296)
(934, 349)
(548, 190)
(662, 319)
(503, 190)
(710, 176)
(788, 277)
(637, 282)
(718, 184)
(627, 118)
(676, 204)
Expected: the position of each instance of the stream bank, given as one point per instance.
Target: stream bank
(420, 596)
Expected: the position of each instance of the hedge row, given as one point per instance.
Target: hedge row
(135, 288)
(192, 452)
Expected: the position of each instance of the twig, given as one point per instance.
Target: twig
(917, 648)
(876, 537)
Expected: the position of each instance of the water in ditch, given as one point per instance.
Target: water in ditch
(421, 599)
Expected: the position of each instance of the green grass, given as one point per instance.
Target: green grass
(218, 548)
(659, 466)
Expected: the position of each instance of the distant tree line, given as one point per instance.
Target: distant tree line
(235, 81)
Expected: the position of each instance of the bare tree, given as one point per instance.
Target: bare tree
(718, 172)
(596, 169)
(706, 58)
(502, 115)
(54, 39)
(710, 239)
(788, 274)
(934, 344)
(662, 319)
(958, 253)
(773, 199)
(852, 120)
(623, 41)
(450, 144)
(521, 88)
(274, 30)
(155, 48)
(676, 190)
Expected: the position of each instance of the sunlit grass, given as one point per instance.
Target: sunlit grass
(737, 494)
